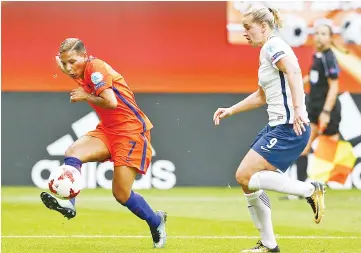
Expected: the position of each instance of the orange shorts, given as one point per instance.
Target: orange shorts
(132, 150)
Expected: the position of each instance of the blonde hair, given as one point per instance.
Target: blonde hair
(71, 44)
(261, 13)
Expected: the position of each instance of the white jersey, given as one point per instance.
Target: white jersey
(274, 82)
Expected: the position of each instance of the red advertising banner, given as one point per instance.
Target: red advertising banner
(157, 46)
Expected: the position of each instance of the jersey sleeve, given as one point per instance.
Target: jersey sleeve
(331, 67)
(276, 50)
(99, 77)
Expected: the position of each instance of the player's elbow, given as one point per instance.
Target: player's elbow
(109, 100)
(293, 70)
(262, 100)
(112, 104)
(261, 97)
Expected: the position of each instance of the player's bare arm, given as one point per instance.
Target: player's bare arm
(253, 101)
(331, 94)
(331, 98)
(106, 98)
(294, 78)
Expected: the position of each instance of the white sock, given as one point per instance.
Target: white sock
(274, 181)
(260, 208)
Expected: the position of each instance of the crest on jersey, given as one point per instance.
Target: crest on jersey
(96, 77)
(270, 49)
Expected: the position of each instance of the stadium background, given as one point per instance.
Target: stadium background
(179, 59)
(183, 60)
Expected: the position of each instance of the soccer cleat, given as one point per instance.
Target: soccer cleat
(261, 248)
(317, 201)
(65, 207)
(159, 234)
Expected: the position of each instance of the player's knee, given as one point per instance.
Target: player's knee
(121, 195)
(242, 177)
(77, 152)
(71, 151)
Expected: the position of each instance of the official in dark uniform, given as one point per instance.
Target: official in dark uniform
(323, 106)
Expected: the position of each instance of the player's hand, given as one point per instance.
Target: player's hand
(78, 95)
(221, 113)
(323, 121)
(299, 122)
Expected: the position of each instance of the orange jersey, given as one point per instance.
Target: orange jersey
(127, 117)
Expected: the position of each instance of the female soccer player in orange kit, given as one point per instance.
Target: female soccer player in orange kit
(122, 136)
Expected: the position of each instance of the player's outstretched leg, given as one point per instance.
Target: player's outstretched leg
(302, 164)
(123, 179)
(85, 149)
(65, 207)
(274, 181)
(255, 174)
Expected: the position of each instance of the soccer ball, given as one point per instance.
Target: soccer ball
(351, 28)
(294, 30)
(65, 182)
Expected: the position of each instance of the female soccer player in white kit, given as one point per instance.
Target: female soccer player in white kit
(286, 135)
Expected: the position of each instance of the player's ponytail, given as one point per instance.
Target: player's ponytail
(276, 17)
(261, 13)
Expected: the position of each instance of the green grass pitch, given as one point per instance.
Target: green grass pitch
(199, 220)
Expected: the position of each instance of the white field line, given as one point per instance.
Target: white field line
(174, 237)
(110, 199)
(35, 198)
